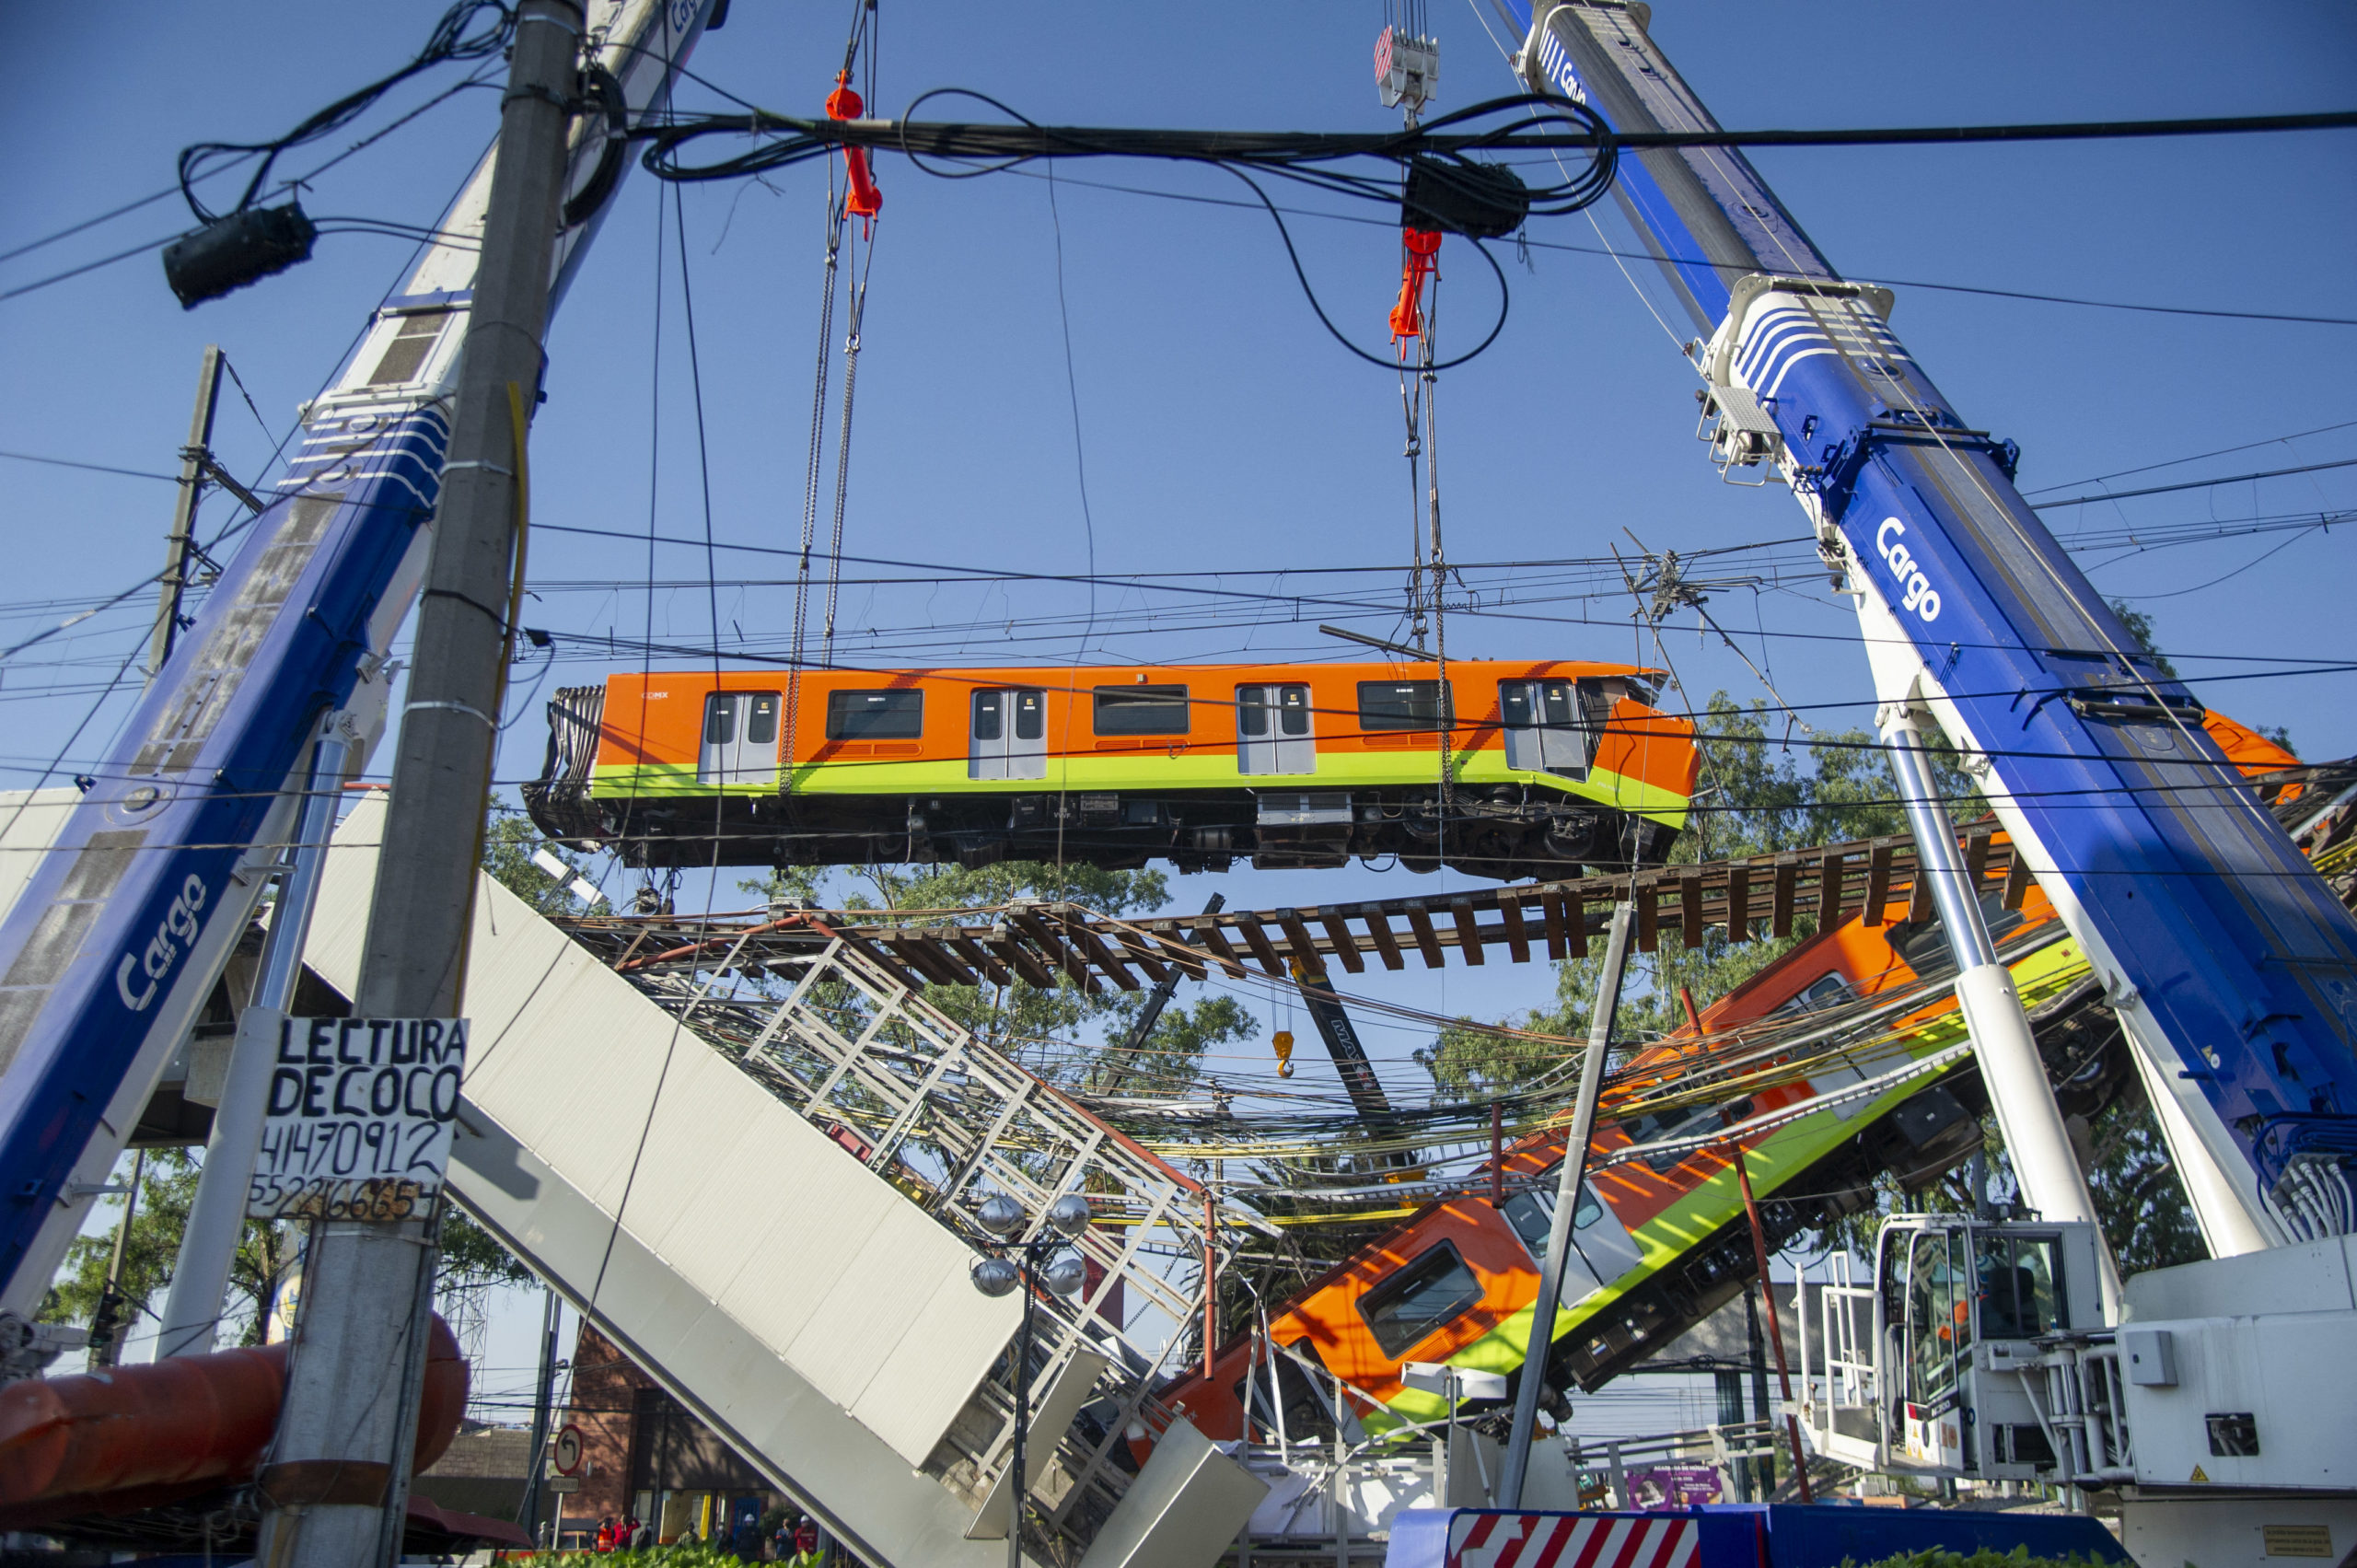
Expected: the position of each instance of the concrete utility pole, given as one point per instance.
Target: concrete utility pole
(173, 584)
(1571, 1173)
(337, 1484)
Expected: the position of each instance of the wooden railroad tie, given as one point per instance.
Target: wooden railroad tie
(1041, 943)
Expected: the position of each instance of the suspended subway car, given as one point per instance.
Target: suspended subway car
(1550, 766)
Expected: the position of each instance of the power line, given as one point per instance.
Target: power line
(1619, 255)
(2173, 462)
(2190, 485)
(68, 232)
(94, 467)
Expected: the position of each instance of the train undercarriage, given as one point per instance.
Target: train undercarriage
(1506, 831)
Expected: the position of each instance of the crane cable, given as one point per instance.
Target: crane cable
(811, 473)
(856, 197)
(1417, 317)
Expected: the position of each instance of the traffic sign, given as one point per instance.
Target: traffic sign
(566, 1450)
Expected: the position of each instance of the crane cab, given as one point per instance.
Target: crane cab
(1934, 1367)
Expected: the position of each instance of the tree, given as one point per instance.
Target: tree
(509, 841)
(2139, 1202)
(2139, 626)
(267, 1252)
(166, 1190)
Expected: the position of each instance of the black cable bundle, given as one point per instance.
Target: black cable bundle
(1434, 180)
(235, 249)
(450, 41)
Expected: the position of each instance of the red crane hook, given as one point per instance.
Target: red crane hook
(1420, 246)
(865, 201)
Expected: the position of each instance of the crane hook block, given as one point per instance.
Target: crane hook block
(865, 200)
(1420, 246)
(1282, 1040)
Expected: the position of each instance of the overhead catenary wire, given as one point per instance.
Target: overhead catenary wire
(1621, 256)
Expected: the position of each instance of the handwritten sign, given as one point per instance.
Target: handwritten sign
(359, 1121)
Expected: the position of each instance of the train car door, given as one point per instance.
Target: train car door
(1010, 734)
(739, 738)
(1602, 1249)
(1542, 724)
(1273, 732)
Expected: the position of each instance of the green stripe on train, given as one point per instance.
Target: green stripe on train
(1137, 771)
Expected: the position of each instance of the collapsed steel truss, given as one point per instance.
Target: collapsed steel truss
(943, 1117)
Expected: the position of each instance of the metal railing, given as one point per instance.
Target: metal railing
(1838, 1379)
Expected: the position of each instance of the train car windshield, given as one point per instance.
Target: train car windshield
(1828, 990)
(1420, 1300)
(874, 715)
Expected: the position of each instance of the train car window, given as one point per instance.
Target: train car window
(1669, 1123)
(1427, 1295)
(1404, 704)
(988, 716)
(1141, 710)
(1030, 716)
(1828, 990)
(760, 727)
(1293, 711)
(719, 719)
(874, 715)
(1252, 710)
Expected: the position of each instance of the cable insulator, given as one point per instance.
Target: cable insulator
(863, 199)
(1420, 245)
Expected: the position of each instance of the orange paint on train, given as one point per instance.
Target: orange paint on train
(659, 717)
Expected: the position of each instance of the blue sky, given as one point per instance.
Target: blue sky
(1221, 430)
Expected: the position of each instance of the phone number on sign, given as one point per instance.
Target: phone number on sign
(325, 1198)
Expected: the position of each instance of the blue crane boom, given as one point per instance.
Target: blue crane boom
(119, 937)
(2230, 963)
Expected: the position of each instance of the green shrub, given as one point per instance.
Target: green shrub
(1933, 1557)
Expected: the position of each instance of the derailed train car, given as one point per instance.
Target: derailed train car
(1550, 766)
(1661, 1240)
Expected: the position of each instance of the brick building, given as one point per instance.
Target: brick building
(646, 1454)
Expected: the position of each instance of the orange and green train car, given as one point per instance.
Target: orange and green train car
(1660, 1242)
(1550, 766)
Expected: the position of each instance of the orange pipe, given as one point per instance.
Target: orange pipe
(140, 1436)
